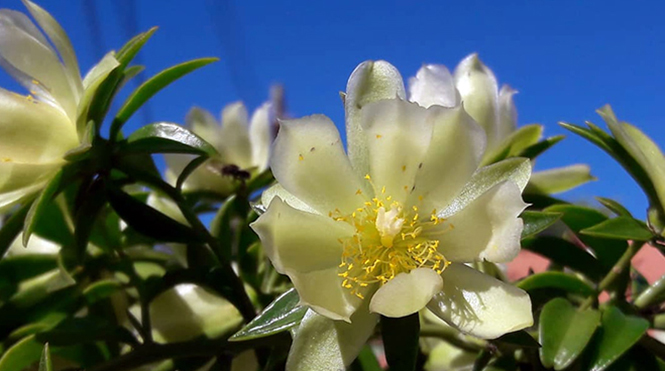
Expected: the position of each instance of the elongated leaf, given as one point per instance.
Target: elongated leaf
(149, 221)
(12, 227)
(87, 215)
(565, 254)
(621, 228)
(578, 218)
(516, 142)
(557, 280)
(52, 189)
(614, 206)
(535, 150)
(400, 340)
(537, 221)
(281, 315)
(127, 53)
(101, 290)
(21, 355)
(166, 137)
(517, 170)
(590, 136)
(618, 333)
(640, 147)
(149, 88)
(564, 332)
(188, 170)
(45, 363)
(559, 179)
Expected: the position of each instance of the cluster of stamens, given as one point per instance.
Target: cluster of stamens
(388, 240)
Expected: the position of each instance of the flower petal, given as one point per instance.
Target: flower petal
(32, 131)
(261, 135)
(487, 229)
(21, 51)
(295, 240)
(91, 83)
(433, 85)
(235, 147)
(203, 124)
(453, 155)
(407, 293)
(278, 191)
(204, 178)
(321, 344)
(15, 176)
(480, 305)
(61, 42)
(323, 292)
(507, 113)
(308, 160)
(479, 91)
(397, 137)
(371, 81)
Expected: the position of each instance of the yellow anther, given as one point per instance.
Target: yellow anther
(383, 190)
(359, 192)
(6, 159)
(403, 168)
(378, 136)
(368, 177)
(300, 157)
(420, 198)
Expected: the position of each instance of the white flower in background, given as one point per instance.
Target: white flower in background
(38, 129)
(388, 229)
(474, 86)
(239, 143)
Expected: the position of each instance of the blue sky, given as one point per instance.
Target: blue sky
(566, 58)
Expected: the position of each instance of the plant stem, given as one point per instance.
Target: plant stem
(649, 296)
(615, 273)
(154, 352)
(451, 336)
(243, 303)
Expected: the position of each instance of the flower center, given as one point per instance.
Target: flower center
(389, 239)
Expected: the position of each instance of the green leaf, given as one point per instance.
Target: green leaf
(614, 206)
(281, 315)
(166, 137)
(127, 53)
(367, 360)
(153, 85)
(618, 333)
(93, 202)
(559, 179)
(11, 228)
(557, 280)
(21, 355)
(517, 170)
(400, 341)
(188, 170)
(513, 144)
(590, 136)
(73, 331)
(564, 332)
(621, 228)
(100, 290)
(641, 148)
(149, 221)
(608, 251)
(518, 339)
(52, 189)
(535, 150)
(565, 254)
(45, 363)
(537, 221)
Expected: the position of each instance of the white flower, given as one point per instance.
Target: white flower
(38, 129)
(474, 86)
(388, 229)
(244, 145)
